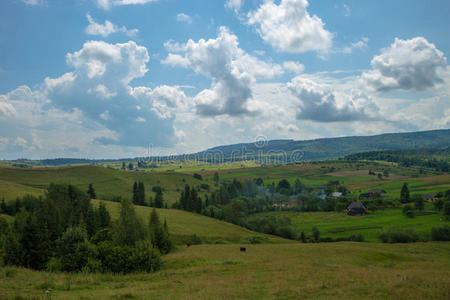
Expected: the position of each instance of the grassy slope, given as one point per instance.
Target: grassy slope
(332, 224)
(269, 271)
(107, 182)
(183, 224)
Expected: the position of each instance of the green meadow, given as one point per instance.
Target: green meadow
(183, 224)
(107, 182)
(268, 271)
(338, 225)
(277, 268)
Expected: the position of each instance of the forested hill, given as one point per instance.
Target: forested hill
(331, 148)
(285, 151)
(437, 159)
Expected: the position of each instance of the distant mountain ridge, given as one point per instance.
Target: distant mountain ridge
(286, 151)
(332, 148)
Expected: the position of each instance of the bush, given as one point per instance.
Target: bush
(257, 239)
(194, 240)
(197, 176)
(408, 211)
(326, 239)
(73, 249)
(398, 235)
(357, 238)
(316, 233)
(92, 266)
(447, 210)
(145, 258)
(352, 238)
(54, 265)
(440, 233)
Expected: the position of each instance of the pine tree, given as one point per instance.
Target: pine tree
(159, 201)
(3, 208)
(159, 234)
(303, 237)
(197, 205)
(92, 221)
(141, 193)
(91, 192)
(154, 219)
(35, 244)
(193, 200)
(103, 216)
(135, 193)
(216, 178)
(404, 194)
(129, 228)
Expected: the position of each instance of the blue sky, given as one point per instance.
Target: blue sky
(111, 78)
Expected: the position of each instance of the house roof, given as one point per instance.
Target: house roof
(428, 196)
(356, 205)
(378, 191)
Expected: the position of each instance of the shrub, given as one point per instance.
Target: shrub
(408, 211)
(92, 266)
(285, 232)
(73, 249)
(440, 233)
(326, 239)
(316, 233)
(197, 176)
(124, 259)
(357, 238)
(257, 239)
(145, 258)
(398, 235)
(194, 240)
(447, 210)
(54, 265)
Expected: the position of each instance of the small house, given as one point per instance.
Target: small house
(356, 209)
(336, 194)
(372, 193)
(428, 197)
(380, 192)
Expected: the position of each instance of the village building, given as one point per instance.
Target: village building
(356, 209)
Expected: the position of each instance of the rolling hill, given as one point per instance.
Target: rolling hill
(182, 225)
(332, 148)
(108, 183)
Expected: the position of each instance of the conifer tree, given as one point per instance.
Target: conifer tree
(3, 208)
(404, 194)
(91, 192)
(159, 201)
(135, 193)
(103, 216)
(141, 193)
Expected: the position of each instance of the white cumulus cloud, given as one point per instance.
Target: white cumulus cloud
(234, 4)
(107, 28)
(414, 64)
(184, 18)
(289, 27)
(106, 4)
(233, 72)
(321, 102)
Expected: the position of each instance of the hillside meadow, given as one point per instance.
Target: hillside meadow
(269, 271)
(339, 225)
(108, 183)
(182, 225)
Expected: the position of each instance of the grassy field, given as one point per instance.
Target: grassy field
(333, 224)
(107, 182)
(270, 271)
(183, 224)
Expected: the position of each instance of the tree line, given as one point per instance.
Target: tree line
(63, 231)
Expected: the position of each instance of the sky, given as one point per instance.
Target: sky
(127, 78)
